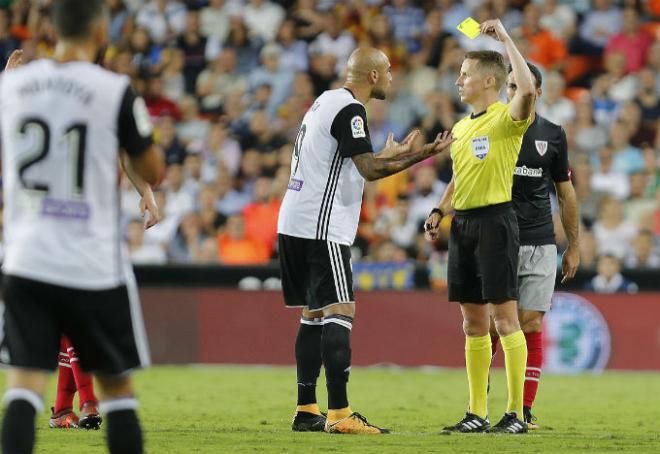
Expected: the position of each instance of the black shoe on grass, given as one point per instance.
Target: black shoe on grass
(469, 424)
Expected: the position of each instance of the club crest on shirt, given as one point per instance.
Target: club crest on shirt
(541, 146)
(480, 147)
(357, 127)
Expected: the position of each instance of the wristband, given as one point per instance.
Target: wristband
(436, 210)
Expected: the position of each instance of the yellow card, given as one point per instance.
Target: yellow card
(470, 28)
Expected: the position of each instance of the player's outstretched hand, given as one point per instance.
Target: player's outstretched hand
(394, 149)
(494, 29)
(569, 264)
(15, 60)
(148, 204)
(432, 226)
(442, 142)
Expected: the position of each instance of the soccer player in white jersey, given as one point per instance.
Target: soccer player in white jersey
(67, 272)
(317, 224)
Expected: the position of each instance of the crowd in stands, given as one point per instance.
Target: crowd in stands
(227, 83)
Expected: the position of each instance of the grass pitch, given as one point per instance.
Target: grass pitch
(249, 409)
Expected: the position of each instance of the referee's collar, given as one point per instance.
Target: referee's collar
(473, 115)
(349, 90)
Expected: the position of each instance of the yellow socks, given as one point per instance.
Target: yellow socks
(515, 359)
(477, 364)
(339, 413)
(309, 408)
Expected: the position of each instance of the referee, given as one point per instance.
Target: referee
(484, 243)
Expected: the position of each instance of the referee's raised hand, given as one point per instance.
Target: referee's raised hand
(495, 29)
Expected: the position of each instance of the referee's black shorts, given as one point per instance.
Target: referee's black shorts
(483, 255)
(316, 274)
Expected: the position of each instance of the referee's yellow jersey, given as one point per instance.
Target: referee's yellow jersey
(484, 157)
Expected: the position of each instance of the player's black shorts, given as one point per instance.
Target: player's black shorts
(315, 273)
(105, 326)
(483, 255)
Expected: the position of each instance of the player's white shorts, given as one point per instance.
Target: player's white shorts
(537, 269)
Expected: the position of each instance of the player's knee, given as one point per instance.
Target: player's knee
(475, 328)
(347, 309)
(35, 381)
(532, 325)
(506, 325)
(112, 387)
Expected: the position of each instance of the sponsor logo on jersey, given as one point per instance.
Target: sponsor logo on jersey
(295, 184)
(576, 336)
(480, 147)
(541, 146)
(357, 127)
(65, 209)
(525, 171)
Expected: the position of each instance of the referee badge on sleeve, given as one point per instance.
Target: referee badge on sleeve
(480, 147)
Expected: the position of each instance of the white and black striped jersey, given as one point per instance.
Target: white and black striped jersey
(62, 126)
(325, 189)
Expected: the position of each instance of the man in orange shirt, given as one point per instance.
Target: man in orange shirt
(261, 215)
(235, 247)
(544, 48)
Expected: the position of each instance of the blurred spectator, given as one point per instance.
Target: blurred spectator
(609, 278)
(405, 107)
(235, 247)
(263, 18)
(407, 22)
(387, 252)
(294, 51)
(589, 136)
(214, 21)
(163, 19)
(632, 41)
(157, 103)
(644, 253)
(215, 83)
(191, 127)
(185, 246)
(639, 132)
(119, 16)
(454, 12)
(162, 233)
(545, 49)
(397, 224)
(196, 49)
(7, 42)
(308, 20)
(640, 201)
(263, 139)
(600, 23)
(219, 149)
(647, 96)
(606, 178)
(180, 201)
(421, 78)
(553, 105)
(166, 137)
(334, 41)
(273, 74)
(146, 56)
(174, 83)
(558, 18)
(588, 249)
(246, 47)
(142, 253)
(627, 158)
(426, 192)
(511, 18)
(613, 233)
(261, 215)
(380, 125)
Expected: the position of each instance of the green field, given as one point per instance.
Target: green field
(249, 409)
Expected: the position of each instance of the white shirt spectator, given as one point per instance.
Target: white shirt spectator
(616, 184)
(599, 25)
(160, 22)
(263, 19)
(214, 21)
(561, 112)
(615, 241)
(148, 254)
(560, 21)
(341, 47)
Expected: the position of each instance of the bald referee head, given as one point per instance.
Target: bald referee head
(368, 74)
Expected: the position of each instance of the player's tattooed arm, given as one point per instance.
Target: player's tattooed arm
(396, 157)
(147, 200)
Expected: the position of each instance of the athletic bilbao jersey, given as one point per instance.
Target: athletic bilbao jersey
(543, 158)
(325, 188)
(62, 125)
